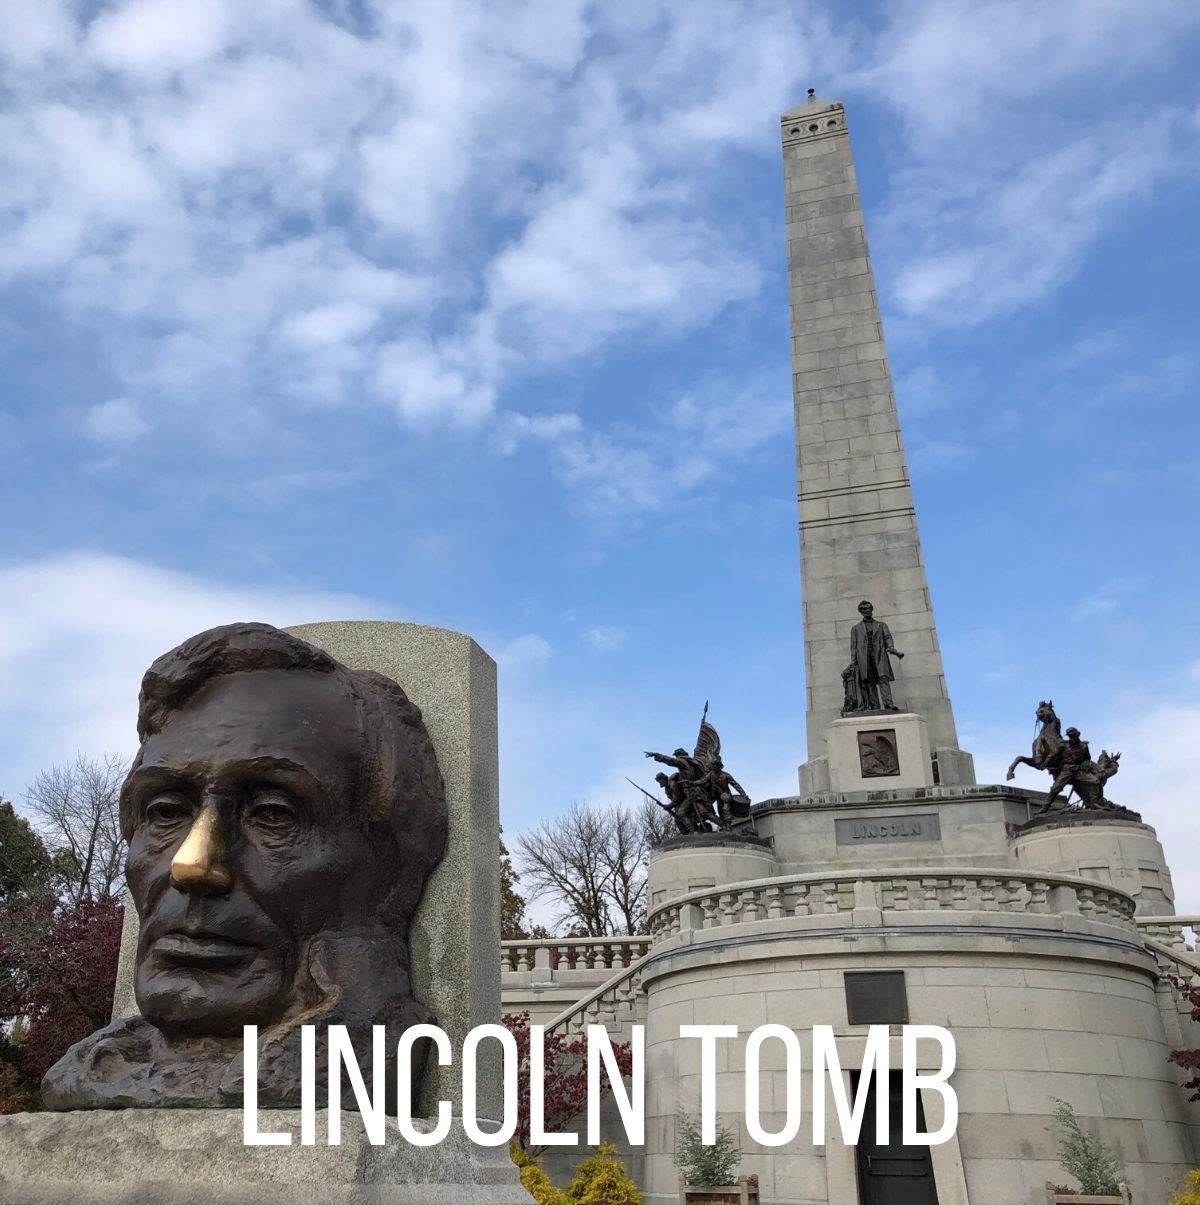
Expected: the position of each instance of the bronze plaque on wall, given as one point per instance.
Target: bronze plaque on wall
(877, 753)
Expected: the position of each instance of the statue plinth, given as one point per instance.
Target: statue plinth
(879, 751)
(1066, 816)
(196, 1157)
(1113, 846)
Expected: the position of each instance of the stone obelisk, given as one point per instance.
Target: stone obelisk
(858, 528)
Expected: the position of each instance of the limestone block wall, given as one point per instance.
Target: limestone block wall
(693, 863)
(1121, 852)
(1033, 1021)
(844, 831)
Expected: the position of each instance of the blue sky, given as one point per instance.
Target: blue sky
(475, 315)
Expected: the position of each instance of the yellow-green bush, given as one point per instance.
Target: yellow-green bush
(537, 1184)
(1191, 1190)
(601, 1177)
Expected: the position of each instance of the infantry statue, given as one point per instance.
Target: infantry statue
(1070, 761)
(702, 795)
(868, 678)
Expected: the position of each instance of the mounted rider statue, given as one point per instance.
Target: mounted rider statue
(1069, 761)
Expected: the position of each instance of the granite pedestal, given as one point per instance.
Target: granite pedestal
(196, 1157)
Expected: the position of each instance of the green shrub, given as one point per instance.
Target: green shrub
(535, 1181)
(1191, 1191)
(705, 1166)
(601, 1177)
(1087, 1157)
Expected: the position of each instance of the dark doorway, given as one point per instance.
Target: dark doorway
(894, 1174)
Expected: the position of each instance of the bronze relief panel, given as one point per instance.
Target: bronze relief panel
(877, 753)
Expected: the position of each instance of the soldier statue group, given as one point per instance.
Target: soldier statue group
(702, 795)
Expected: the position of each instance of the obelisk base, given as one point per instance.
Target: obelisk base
(883, 751)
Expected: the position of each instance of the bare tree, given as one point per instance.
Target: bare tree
(564, 858)
(591, 861)
(76, 809)
(657, 824)
(626, 855)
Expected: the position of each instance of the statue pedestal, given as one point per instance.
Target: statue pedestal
(879, 751)
(196, 1157)
(1112, 847)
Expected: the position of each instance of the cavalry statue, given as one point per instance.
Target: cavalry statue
(1069, 760)
(702, 795)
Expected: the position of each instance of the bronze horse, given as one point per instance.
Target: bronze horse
(1047, 745)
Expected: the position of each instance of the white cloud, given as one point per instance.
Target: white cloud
(419, 206)
(1158, 778)
(988, 242)
(1109, 598)
(932, 454)
(116, 421)
(78, 631)
(526, 650)
(680, 447)
(949, 67)
(1001, 185)
(607, 640)
(234, 192)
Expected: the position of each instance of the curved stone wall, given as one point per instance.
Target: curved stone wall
(1121, 853)
(681, 866)
(1043, 982)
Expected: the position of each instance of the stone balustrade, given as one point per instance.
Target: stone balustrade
(810, 901)
(573, 953)
(1168, 929)
(617, 1002)
(917, 893)
(1165, 939)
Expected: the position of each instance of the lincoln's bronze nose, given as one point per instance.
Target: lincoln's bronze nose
(202, 862)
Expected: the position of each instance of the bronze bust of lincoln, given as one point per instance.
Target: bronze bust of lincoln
(283, 815)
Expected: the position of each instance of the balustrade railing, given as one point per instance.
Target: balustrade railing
(1165, 939)
(615, 1002)
(573, 953)
(914, 893)
(890, 891)
(1169, 929)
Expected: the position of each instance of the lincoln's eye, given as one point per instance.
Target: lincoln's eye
(272, 811)
(169, 810)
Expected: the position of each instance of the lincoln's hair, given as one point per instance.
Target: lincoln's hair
(401, 799)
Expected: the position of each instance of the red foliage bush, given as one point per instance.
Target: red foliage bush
(565, 1077)
(1189, 1060)
(58, 970)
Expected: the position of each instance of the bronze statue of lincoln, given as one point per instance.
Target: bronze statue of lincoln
(283, 814)
(870, 649)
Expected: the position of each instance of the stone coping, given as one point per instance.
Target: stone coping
(733, 840)
(900, 796)
(1071, 816)
(863, 944)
